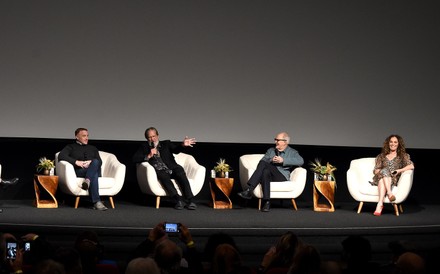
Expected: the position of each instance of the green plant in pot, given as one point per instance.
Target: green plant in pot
(45, 165)
(323, 172)
(221, 168)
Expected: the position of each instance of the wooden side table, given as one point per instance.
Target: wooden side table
(223, 187)
(324, 190)
(49, 184)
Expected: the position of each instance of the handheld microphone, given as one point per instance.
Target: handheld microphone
(277, 152)
(152, 145)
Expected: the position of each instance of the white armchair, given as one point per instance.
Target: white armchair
(149, 184)
(361, 172)
(278, 190)
(111, 182)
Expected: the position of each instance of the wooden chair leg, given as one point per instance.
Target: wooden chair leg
(77, 201)
(401, 208)
(259, 204)
(111, 202)
(294, 204)
(157, 201)
(360, 207)
(396, 209)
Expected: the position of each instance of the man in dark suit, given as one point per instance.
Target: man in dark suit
(160, 155)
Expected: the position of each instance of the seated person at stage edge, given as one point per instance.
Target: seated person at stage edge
(87, 164)
(160, 155)
(275, 166)
(390, 164)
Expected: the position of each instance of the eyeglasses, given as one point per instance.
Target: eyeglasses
(279, 140)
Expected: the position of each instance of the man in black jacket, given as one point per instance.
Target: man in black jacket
(160, 155)
(87, 164)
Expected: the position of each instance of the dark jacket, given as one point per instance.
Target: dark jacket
(166, 149)
(75, 151)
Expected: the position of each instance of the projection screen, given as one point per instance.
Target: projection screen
(339, 73)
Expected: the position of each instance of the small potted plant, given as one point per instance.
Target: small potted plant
(221, 168)
(323, 172)
(45, 165)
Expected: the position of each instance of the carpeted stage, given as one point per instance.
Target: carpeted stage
(122, 228)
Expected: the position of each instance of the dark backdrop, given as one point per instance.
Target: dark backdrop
(20, 155)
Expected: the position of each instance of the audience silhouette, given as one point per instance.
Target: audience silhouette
(214, 240)
(142, 266)
(163, 252)
(281, 254)
(306, 260)
(357, 255)
(227, 260)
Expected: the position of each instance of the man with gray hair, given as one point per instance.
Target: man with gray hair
(141, 266)
(275, 166)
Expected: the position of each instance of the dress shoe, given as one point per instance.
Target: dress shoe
(85, 185)
(191, 206)
(247, 194)
(266, 207)
(99, 206)
(179, 205)
(391, 197)
(6, 183)
(378, 212)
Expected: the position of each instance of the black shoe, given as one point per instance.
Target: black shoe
(85, 185)
(6, 183)
(179, 205)
(266, 206)
(191, 206)
(247, 194)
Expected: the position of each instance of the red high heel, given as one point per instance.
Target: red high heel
(378, 213)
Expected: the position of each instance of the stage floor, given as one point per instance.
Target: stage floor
(128, 224)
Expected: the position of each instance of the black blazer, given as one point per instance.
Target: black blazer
(166, 149)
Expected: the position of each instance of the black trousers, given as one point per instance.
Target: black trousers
(182, 180)
(264, 174)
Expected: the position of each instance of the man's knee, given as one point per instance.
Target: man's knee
(163, 176)
(179, 172)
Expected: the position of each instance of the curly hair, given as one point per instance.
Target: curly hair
(401, 150)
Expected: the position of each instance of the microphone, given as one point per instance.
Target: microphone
(277, 152)
(152, 146)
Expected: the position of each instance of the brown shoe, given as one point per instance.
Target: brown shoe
(392, 198)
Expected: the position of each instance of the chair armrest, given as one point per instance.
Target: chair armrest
(147, 179)
(115, 169)
(247, 166)
(194, 170)
(67, 177)
(404, 186)
(197, 175)
(353, 181)
(299, 175)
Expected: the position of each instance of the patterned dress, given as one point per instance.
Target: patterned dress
(387, 166)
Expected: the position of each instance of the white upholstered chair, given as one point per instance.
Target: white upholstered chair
(149, 184)
(361, 172)
(278, 190)
(111, 182)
